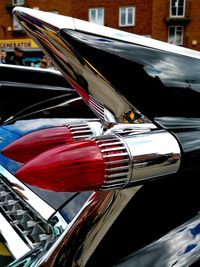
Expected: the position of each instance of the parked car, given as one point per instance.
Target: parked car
(117, 190)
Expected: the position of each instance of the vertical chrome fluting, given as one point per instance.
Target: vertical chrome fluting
(84, 129)
(117, 162)
(137, 157)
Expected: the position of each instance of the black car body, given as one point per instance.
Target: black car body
(36, 92)
(124, 191)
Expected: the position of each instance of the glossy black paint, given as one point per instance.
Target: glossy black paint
(177, 248)
(156, 82)
(187, 132)
(156, 209)
(34, 93)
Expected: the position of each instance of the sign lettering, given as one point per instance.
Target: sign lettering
(11, 44)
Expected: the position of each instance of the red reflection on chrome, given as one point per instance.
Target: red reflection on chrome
(78, 166)
(32, 144)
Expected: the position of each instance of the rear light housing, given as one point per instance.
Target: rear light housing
(106, 162)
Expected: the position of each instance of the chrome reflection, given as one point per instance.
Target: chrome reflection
(15, 245)
(83, 129)
(87, 229)
(99, 94)
(156, 153)
(32, 199)
(137, 154)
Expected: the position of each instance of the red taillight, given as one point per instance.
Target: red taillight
(102, 163)
(32, 144)
(74, 167)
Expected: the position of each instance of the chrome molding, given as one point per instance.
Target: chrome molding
(43, 209)
(22, 229)
(34, 86)
(132, 129)
(16, 246)
(31, 228)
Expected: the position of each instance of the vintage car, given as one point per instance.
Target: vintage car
(119, 188)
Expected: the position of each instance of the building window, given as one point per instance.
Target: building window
(175, 35)
(96, 15)
(126, 16)
(17, 2)
(177, 8)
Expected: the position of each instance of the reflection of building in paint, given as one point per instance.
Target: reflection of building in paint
(180, 247)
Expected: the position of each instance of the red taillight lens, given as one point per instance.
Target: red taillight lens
(74, 167)
(102, 163)
(31, 145)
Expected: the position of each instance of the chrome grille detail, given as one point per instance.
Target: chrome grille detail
(117, 160)
(79, 130)
(31, 228)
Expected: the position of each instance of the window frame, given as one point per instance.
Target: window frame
(18, 2)
(176, 30)
(96, 9)
(127, 8)
(176, 15)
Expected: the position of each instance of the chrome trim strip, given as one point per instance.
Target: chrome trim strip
(49, 17)
(29, 68)
(64, 22)
(31, 198)
(36, 86)
(131, 129)
(14, 243)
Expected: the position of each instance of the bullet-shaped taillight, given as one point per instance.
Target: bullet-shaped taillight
(103, 163)
(32, 144)
(66, 168)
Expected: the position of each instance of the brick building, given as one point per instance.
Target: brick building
(177, 21)
(174, 21)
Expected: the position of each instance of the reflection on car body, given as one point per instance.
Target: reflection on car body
(115, 191)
